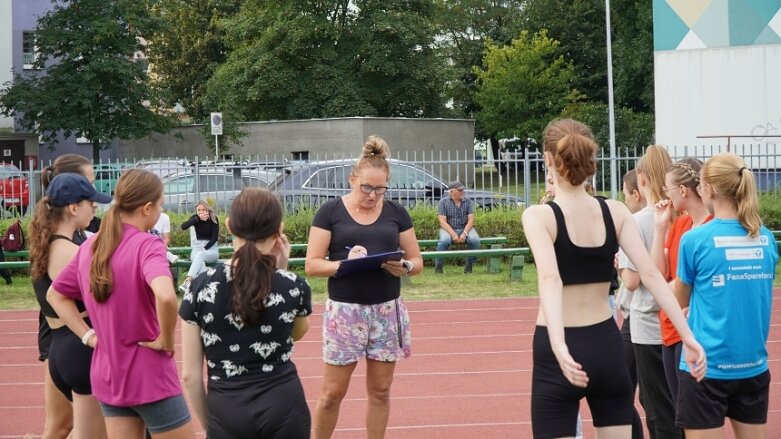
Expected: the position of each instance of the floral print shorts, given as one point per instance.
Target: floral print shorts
(378, 332)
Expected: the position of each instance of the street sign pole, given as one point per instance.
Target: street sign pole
(216, 122)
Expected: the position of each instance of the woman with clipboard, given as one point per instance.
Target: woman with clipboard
(364, 315)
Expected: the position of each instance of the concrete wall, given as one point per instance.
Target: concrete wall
(340, 136)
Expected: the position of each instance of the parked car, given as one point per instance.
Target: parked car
(165, 167)
(14, 188)
(313, 183)
(219, 186)
(106, 176)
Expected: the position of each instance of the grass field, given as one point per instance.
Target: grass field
(453, 284)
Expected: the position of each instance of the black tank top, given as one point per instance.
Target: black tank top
(42, 284)
(585, 265)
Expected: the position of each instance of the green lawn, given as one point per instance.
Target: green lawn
(453, 284)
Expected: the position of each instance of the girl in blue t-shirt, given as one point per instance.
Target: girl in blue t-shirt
(725, 274)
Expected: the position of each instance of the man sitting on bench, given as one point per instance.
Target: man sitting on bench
(457, 224)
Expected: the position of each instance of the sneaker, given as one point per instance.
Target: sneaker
(171, 257)
(185, 285)
(468, 267)
(438, 269)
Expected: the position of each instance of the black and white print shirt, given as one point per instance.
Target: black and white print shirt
(232, 348)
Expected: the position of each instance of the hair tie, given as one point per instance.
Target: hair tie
(740, 171)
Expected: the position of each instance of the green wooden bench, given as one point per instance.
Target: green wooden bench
(494, 256)
(423, 243)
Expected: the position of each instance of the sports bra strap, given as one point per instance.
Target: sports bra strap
(56, 237)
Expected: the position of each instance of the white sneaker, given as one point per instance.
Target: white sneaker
(185, 286)
(171, 257)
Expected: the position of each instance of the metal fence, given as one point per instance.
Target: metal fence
(513, 179)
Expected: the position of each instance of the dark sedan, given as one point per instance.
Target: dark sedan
(311, 184)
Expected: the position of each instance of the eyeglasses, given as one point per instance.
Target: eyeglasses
(379, 190)
(668, 188)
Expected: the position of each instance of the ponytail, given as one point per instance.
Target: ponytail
(101, 277)
(748, 202)
(253, 273)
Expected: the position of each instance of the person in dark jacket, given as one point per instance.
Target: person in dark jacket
(204, 246)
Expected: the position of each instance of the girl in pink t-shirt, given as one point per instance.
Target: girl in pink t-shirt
(123, 277)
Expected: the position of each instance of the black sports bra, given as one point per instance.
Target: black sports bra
(42, 284)
(584, 265)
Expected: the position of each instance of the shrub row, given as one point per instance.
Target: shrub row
(495, 222)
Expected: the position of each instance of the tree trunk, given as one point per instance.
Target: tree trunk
(96, 151)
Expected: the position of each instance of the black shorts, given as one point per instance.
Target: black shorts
(268, 407)
(69, 363)
(704, 405)
(555, 402)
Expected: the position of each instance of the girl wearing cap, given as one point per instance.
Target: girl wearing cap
(243, 317)
(123, 277)
(67, 207)
(364, 315)
(725, 273)
(58, 421)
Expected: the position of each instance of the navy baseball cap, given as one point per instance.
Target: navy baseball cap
(68, 188)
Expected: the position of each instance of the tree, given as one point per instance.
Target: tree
(89, 84)
(187, 48)
(464, 27)
(521, 87)
(310, 59)
(633, 54)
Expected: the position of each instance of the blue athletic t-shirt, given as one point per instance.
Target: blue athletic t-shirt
(731, 275)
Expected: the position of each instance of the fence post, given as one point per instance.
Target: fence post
(197, 180)
(526, 177)
(31, 190)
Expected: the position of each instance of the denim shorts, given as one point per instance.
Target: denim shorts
(159, 416)
(379, 332)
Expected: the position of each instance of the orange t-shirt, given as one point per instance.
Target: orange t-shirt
(681, 225)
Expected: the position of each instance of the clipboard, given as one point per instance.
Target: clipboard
(371, 262)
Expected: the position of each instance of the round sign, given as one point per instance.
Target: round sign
(216, 119)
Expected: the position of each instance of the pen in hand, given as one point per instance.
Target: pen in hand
(356, 251)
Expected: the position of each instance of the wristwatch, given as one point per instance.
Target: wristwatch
(408, 266)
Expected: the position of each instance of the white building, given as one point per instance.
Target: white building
(717, 66)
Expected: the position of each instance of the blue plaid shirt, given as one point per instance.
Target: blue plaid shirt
(456, 216)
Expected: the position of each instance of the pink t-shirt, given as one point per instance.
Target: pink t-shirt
(123, 373)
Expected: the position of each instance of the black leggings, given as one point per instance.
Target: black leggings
(272, 408)
(555, 402)
(69, 363)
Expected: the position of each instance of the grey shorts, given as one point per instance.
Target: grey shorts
(159, 416)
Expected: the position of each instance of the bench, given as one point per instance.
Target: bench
(494, 256)
(422, 243)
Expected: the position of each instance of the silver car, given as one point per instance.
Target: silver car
(217, 186)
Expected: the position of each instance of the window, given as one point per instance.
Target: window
(181, 185)
(29, 51)
(300, 156)
(321, 179)
(407, 177)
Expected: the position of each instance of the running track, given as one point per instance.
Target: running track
(469, 376)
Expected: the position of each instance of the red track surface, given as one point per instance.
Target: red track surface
(469, 376)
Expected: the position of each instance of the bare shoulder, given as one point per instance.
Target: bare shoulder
(618, 210)
(537, 216)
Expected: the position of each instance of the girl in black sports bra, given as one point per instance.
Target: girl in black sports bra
(577, 347)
